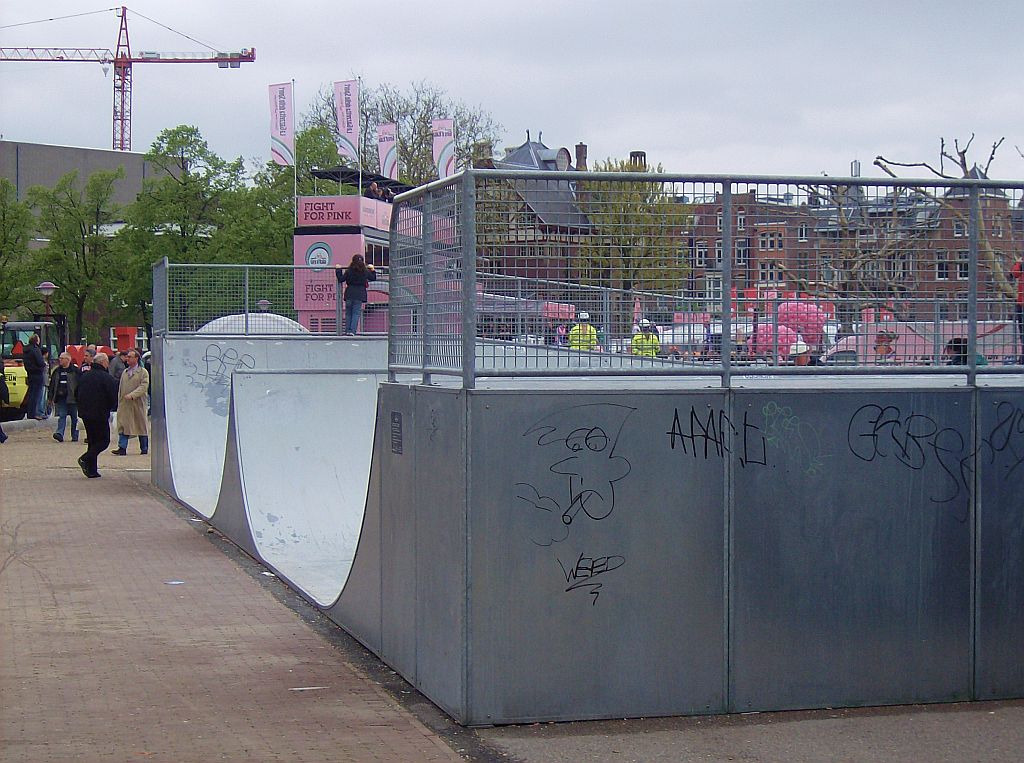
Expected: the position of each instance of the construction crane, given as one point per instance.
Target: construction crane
(122, 60)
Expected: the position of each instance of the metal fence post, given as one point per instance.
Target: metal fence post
(727, 255)
(425, 269)
(245, 299)
(469, 279)
(974, 222)
(161, 311)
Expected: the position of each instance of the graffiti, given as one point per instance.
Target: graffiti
(714, 435)
(584, 439)
(914, 440)
(214, 376)
(581, 574)
(578, 485)
(1007, 437)
(787, 432)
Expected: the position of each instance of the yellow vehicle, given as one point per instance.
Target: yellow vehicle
(14, 336)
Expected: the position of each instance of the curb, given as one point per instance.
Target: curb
(23, 424)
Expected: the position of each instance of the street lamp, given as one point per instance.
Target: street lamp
(47, 288)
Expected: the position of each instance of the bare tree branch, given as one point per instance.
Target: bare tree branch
(992, 154)
(926, 165)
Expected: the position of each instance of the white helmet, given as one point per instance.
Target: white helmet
(644, 323)
(583, 316)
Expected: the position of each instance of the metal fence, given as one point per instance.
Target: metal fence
(250, 299)
(556, 273)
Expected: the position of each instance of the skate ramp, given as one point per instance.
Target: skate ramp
(194, 390)
(300, 458)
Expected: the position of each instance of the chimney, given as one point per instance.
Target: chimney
(581, 157)
(483, 154)
(638, 158)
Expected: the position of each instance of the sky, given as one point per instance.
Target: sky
(766, 87)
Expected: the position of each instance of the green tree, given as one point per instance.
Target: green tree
(635, 243)
(78, 256)
(412, 110)
(179, 211)
(16, 226)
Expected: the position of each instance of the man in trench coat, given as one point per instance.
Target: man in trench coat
(131, 405)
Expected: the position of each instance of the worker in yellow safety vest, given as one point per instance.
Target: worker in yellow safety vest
(582, 336)
(646, 342)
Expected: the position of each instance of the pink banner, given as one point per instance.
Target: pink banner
(343, 211)
(282, 125)
(315, 288)
(346, 106)
(444, 146)
(387, 149)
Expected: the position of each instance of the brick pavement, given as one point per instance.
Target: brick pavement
(126, 635)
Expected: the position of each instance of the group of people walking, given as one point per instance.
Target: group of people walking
(89, 393)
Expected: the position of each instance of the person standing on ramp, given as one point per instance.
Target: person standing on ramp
(355, 277)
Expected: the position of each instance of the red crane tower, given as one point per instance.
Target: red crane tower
(122, 60)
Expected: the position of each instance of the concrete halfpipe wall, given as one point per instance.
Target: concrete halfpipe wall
(642, 547)
(191, 398)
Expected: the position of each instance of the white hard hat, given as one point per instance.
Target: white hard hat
(799, 348)
(583, 316)
(644, 323)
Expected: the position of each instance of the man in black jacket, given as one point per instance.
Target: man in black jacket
(35, 376)
(97, 397)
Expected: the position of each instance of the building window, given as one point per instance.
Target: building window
(768, 271)
(741, 219)
(959, 229)
(718, 253)
(960, 305)
(713, 291)
(997, 228)
(700, 259)
(963, 264)
(769, 241)
(941, 266)
(743, 252)
(718, 220)
(801, 231)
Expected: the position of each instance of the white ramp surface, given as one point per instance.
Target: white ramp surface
(197, 377)
(304, 446)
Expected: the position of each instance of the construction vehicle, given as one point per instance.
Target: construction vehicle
(14, 336)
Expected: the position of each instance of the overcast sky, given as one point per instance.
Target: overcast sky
(717, 86)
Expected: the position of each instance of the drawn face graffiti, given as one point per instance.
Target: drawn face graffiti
(581, 442)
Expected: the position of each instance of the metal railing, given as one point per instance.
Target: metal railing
(536, 273)
(254, 299)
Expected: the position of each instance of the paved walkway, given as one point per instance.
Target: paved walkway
(126, 634)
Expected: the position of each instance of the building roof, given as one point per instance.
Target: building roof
(351, 176)
(552, 201)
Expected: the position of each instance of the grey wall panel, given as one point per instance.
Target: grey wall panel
(1000, 462)
(596, 556)
(399, 498)
(851, 555)
(440, 508)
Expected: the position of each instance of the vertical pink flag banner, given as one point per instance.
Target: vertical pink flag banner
(282, 125)
(387, 149)
(346, 105)
(444, 146)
